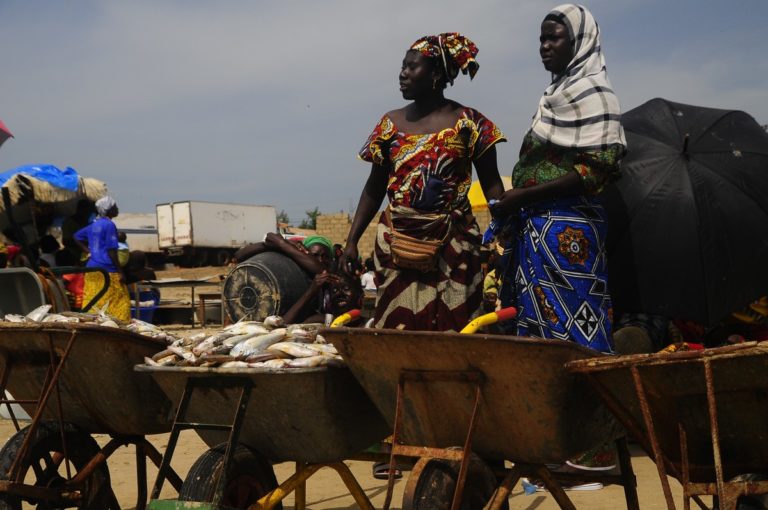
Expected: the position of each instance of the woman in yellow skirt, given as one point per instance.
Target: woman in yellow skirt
(99, 239)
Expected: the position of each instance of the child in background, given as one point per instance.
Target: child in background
(123, 251)
(367, 279)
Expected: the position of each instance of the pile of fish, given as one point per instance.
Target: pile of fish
(41, 314)
(267, 344)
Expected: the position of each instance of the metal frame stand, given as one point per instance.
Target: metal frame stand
(473, 378)
(70, 491)
(296, 483)
(551, 481)
(726, 493)
(179, 423)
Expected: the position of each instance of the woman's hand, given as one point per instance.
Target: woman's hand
(324, 278)
(349, 259)
(510, 202)
(272, 239)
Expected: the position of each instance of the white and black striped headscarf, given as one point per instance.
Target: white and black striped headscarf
(579, 108)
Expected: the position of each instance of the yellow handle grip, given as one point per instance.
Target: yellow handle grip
(345, 318)
(490, 318)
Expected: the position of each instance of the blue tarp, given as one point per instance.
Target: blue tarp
(66, 179)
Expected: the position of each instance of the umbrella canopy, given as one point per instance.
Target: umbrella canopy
(477, 197)
(5, 133)
(688, 220)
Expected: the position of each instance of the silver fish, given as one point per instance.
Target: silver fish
(311, 361)
(272, 363)
(56, 317)
(246, 327)
(197, 337)
(162, 354)
(219, 350)
(258, 344)
(301, 335)
(14, 317)
(327, 349)
(274, 321)
(82, 317)
(234, 340)
(169, 360)
(295, 349)
(188, 356)
(256, 358)
(38, 313)
(204, 346)
(234, 364)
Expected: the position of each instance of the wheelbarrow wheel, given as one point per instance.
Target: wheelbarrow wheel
(432, 483)
(44, 466)
(249, 478)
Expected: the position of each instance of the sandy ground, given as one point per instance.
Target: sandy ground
(325, 490)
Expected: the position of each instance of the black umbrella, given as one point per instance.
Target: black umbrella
(688, 220)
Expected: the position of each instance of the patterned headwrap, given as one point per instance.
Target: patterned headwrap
(579, 108)
(456, 52)
(104, 204)
(316, 239)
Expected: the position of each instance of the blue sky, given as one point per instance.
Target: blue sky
(268, 101)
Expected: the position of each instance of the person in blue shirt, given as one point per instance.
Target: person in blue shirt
(99, 240)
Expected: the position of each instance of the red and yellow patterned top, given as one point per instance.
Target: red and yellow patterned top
(431, 172)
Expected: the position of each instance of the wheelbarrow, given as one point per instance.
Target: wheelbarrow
(75, 380)
(503, 398)
(253, 417)
(701, 415)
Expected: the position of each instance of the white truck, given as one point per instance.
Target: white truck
(201, 233)
(140, 230)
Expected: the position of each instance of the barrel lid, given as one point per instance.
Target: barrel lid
(266, 284)
(251, 293)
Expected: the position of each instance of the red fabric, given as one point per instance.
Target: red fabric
(74, 284)
(12, 250)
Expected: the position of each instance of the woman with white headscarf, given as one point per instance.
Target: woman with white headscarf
(99, 239)
(556, 272)
(555, 269)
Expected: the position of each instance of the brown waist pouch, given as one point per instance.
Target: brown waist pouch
(413, 253)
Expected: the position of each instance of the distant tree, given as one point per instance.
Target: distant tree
(311, 220)
(765, 127)
(282, 217)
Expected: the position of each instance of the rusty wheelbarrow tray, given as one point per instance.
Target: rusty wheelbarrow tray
(702, 415)
(317, 417)
(75, 380)
(503, 398)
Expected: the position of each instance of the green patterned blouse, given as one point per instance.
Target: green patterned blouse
(542, 162)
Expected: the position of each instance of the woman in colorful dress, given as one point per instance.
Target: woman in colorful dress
(99, 239)
(556, 271)
(422, 156)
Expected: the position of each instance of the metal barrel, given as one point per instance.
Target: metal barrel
(266, 284)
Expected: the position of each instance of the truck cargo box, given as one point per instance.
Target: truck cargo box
(211, 231)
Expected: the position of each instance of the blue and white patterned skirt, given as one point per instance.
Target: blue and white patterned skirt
(556, 273)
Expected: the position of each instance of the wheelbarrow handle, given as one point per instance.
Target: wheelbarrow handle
(502, 315)
(345, 318)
